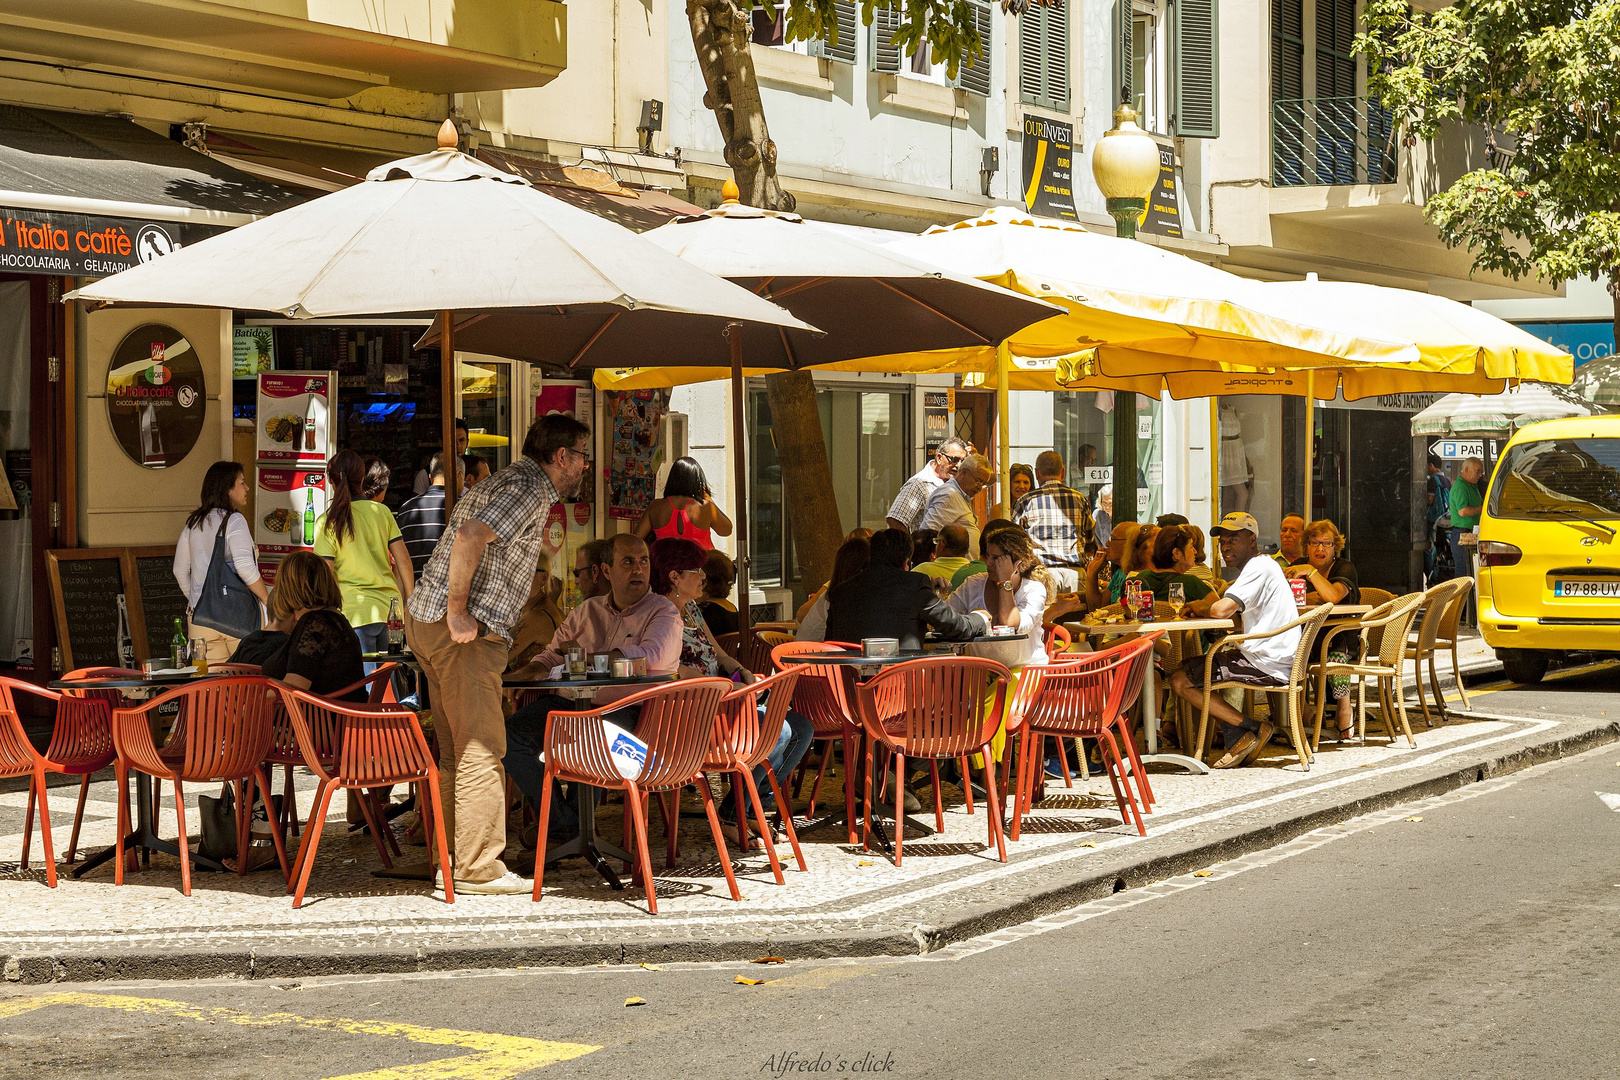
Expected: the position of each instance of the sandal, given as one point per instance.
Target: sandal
(1347, 733)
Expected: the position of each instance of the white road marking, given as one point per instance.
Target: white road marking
(1611, 801)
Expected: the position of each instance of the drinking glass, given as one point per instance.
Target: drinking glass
(1178, 597)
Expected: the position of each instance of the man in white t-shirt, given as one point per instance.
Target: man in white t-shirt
(1262, 594)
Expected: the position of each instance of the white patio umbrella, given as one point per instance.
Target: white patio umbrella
(869, 300)
(443, 232)
(1500, 415)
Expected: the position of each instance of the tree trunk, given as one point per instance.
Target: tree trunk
(806, 475)
(720, 34)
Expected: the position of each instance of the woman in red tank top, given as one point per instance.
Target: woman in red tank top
(687, 509)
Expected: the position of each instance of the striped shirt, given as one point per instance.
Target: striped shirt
(912, 499)
(421, 523)
(1058, 519)
(515, 504)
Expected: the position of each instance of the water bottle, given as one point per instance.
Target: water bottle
(396, 627)
(178, 644)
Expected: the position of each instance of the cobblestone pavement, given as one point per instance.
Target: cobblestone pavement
(845, 891)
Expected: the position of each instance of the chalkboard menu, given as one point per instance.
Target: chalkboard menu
(85, 586)
(161, 600)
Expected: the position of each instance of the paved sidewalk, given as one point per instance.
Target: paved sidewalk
(849, 902)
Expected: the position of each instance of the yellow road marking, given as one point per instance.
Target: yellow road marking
(820, 978)
(495, 1056)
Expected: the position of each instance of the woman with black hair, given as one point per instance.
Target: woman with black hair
(362, 541)
(224, 497)
(687, 510)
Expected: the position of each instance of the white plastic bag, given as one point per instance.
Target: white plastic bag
(628, 752)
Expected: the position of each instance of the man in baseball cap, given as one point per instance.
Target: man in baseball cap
(1262, 596)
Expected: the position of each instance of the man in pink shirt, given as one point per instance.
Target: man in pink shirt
(631, 620)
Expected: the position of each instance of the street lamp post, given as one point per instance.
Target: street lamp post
(1125, 164)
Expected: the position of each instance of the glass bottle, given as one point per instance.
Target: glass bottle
(309, 517)
(396, 627)
(178, 644)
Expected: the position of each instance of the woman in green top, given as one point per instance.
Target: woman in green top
(1173, 554)
(364, 545)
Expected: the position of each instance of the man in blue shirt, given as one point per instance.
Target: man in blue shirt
(1435, 569)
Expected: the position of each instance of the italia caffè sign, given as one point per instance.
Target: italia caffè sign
(86, 245)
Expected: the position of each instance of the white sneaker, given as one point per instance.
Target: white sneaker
(508, 884)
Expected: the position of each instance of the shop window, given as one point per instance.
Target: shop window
(1083, 433)
(867, 441)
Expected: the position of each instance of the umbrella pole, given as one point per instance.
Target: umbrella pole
(1004, 426)
(1310, 437)
(739, 502)
(447, 409)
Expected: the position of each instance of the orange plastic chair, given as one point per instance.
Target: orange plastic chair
(357, 747)
(81, 744)
(88, 746)
(1057, 639)
(934, 708)
(677, 723)
(743, 740)
(821, 695)
(1085, 699)
(285, 751)
(226, 738)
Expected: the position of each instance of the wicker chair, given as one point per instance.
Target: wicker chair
(1376, 597)
(1292, 690)
(1442, 609)
(1384, 632)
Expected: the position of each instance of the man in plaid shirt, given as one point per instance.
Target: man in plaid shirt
(906, 512)
(1058, 518)
(459, 624)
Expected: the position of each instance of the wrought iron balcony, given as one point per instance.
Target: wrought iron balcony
(1334, 140)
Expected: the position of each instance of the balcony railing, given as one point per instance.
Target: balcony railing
(1336, 140)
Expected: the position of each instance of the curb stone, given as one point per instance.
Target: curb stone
(958, 921)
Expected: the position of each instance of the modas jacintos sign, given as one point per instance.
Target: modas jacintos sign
(156, 396)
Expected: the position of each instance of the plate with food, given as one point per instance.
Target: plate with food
(279, 520)
(283, 428)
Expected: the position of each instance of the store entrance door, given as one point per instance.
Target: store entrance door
(37, 512)
(974, 423)
(494, 397)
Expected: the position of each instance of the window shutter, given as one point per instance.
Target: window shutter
(885, 54)
(1196, 104)
(1057, 56)
(1124, 62)
(975, 79)
(1287, 50)
(1043, 57)
(1032, 56)
(843, 50)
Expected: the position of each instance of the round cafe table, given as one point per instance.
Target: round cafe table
(143, 837)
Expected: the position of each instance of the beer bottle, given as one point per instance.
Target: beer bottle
(177, 644)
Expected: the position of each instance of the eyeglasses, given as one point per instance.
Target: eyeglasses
(578, 570)
(583, 456)
(954, 462)
(1319, 543)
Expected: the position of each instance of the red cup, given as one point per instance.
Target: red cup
(1298, 585)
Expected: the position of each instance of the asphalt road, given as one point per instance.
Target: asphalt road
(1482, 940)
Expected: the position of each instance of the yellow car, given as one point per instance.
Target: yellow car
(1549, 545)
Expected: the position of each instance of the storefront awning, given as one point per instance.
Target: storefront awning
(109, 166)
(636, 208)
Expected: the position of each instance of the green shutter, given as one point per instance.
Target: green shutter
(885, 53)
(1196, 95)
(975, 77)
(843, 50)
(1123, 89)
(1043, 57)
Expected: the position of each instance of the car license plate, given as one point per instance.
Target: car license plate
(1607, 590)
